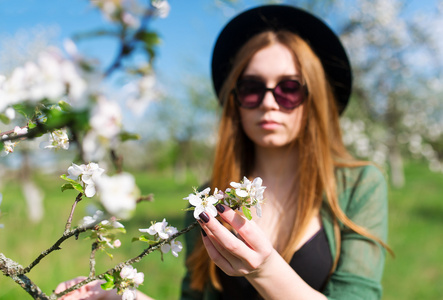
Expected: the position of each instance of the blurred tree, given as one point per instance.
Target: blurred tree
(397, 56)
(397, 69)
(188, 120)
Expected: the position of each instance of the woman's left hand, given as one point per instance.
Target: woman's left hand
(244, 255)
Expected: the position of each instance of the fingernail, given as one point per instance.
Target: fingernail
(204, 216)
(220, 208)
(203, 232)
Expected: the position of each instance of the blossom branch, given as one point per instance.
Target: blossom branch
(12, 269)
(131, 261)
(8, 132)
(127, 47)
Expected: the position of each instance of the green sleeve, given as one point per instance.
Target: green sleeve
(363, 197)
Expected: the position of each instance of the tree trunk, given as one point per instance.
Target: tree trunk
(396, 166)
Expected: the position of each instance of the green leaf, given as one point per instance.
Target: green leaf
(109, 278)
(4, 119)
(26, 110)
(108, 286)
(247, 213)
(144, 238)
(31, 125)
(67, 186)
(126, 136)
(150, 38)
(65, 106)
(75, 185)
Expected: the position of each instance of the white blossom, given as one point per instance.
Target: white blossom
(174, 246)
(161, 229)
(88, 174)
(20, 131)
(8, 146)
(129, 294)
(58, 139)
(9, 112)
(106, 118)
(118, 194)
(130, 273)
(162, 7)
(88, 220)
(203, 202)
(247, 193)
(141, 93)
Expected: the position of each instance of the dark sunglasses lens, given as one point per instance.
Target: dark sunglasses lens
(250, 93)
(288, 93)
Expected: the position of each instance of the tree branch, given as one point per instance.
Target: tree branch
(12, 269)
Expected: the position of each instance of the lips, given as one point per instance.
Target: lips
(269, 124)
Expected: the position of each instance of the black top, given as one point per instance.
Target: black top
(312, 262)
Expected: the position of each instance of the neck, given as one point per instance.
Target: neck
(275, 164)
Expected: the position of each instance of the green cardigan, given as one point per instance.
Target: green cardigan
(362, 195)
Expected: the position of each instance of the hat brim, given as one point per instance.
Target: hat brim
(324, 42)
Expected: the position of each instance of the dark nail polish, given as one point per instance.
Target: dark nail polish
(203, 232)
(220, 208)
(204, 216)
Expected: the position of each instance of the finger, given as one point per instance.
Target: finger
(249, 231)
(232, 255)
(227, 258)
(69, 283)
(226, 241)
(215, 255)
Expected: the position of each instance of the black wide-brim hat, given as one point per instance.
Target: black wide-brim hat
(324, 42)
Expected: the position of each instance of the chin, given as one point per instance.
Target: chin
(272, 143)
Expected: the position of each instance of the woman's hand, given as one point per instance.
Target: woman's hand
(91, 291)
(252, 255)
(244, 255)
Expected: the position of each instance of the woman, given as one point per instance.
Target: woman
(283, 78)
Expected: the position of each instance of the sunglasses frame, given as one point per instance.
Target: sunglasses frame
(303, 92)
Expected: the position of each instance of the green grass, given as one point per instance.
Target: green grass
(23, 241)
(416, 222)
(416, 219)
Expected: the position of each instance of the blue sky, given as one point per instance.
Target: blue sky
(188, 33)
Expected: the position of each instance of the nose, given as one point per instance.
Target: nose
(269, 102)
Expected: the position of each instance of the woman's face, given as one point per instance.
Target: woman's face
(271, 125)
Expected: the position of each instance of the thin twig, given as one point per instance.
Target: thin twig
(71, 214)
(57, 244)
(92, 259)
(117, 160)
(147, 198)
(128, 46)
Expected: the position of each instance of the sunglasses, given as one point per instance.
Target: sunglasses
(288, 93)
